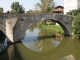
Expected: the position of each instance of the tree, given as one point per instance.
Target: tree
(46, 5)
(74, 12)
(30, 11)
(1, 10)
(36, 11)
(76, 27)
(33, 11)
(17, 8)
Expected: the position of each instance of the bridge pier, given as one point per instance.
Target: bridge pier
(9, 29)
(9, 32)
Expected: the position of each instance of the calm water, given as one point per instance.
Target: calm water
(42, 44)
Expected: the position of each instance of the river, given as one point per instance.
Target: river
(41, 44)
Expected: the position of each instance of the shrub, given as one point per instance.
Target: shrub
(76, 27)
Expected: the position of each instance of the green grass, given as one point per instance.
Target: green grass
(54, 28)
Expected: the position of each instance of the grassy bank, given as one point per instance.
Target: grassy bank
(53, 28)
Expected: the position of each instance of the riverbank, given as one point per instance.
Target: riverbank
(50, 26)
(54, 28)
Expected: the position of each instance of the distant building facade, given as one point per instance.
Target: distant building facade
(71, 5)
(59, 9)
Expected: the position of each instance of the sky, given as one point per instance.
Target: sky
(28, 4)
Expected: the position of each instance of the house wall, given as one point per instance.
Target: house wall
(71, 5)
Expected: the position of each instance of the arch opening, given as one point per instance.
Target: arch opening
(66, 31)
(22, 25)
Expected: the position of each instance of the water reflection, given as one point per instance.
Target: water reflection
(40, 40)
(45, 41)
(8, 54)
(42, 44)
(3, 45)
(3, 41)
(67, 50)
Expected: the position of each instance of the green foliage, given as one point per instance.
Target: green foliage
(30, 11)
(74, 12)
(54, 28)
(13, 11)
(17, 8)
(1, 10)
(76, 27)
(46, 5)
(50, 26)
(46, 22)
(33, 11)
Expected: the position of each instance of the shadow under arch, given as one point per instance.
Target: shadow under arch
(2, 36)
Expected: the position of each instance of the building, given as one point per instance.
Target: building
(71, 5)
(59, 9)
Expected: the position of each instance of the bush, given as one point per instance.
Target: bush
(76, 27)
(74, 12)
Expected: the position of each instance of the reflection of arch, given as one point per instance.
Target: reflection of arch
(2, 36)
(24, 51)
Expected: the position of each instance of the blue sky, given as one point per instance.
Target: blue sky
(28, 4)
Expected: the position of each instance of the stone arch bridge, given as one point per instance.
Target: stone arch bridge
(15, 25)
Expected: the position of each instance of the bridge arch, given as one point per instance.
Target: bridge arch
(22, 25)
(66, 32)
(65, 29)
